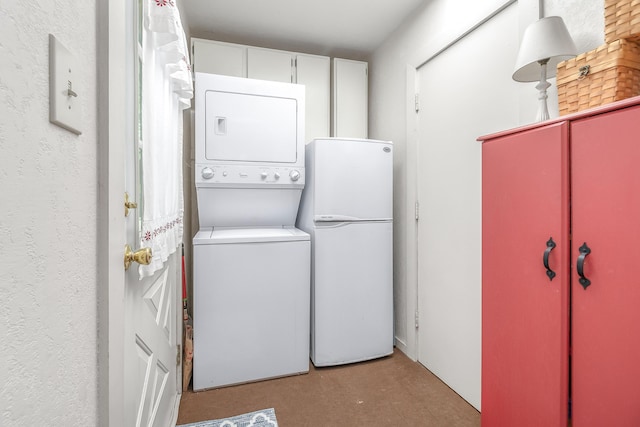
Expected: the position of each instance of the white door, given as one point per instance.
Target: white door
(350, 117)
(151, 327)
(353, 180)
(219, 58)
(314, 73)
(268, 64)
(238, 125)
(352, 292)
(449, 191)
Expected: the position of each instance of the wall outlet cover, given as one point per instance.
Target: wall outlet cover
(64, 87)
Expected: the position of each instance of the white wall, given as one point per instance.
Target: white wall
(48, 256)
(391, 73)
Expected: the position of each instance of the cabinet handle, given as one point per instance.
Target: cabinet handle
(584, 251)
(545, 258)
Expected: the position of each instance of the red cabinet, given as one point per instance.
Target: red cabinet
(561, 296)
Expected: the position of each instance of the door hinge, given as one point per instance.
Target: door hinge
(178, 355)
(417, 102)
(417, 319)
(417, 208)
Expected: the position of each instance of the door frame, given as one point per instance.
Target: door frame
(111, 106)
(528, 12)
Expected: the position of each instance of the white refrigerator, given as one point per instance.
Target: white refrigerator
(347, 208)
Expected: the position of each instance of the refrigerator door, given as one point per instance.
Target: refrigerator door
(352, 293)
(353, 179)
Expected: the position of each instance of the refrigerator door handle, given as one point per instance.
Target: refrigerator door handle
(345, 218)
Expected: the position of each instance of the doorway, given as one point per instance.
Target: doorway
(449, 191)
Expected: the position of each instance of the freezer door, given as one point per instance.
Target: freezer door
(353, 179)
(352, 293)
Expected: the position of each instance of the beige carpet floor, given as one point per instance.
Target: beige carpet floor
(392, 391)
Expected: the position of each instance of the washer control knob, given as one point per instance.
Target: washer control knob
(264, 175)
(276, 175)
(207, 173)
(294, 175)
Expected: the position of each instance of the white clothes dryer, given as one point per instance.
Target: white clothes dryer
(249, 139)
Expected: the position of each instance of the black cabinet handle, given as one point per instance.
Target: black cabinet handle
(545, 258)
(584, 251)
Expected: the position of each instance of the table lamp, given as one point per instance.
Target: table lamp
(545, 43)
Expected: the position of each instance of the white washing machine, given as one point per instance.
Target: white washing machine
(252, 305)
(251, 275)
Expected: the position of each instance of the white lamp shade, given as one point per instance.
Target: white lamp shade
(547, 38)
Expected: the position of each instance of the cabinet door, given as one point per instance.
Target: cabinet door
(350, 99)
(314, 73)
(525, 193)
(267, 64)
(606, 315)
(219, 58)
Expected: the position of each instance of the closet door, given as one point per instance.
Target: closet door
(219, 58)
(268, 64)
(605, 151)
(525, 194)
(350, 117)
(314, 73)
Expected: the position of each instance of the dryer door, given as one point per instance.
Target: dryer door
(242, 127)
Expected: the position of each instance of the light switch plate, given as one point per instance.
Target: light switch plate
(64, 88)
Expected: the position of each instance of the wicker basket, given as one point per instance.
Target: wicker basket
(613, 74)
(621, 20)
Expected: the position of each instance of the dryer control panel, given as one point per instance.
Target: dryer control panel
(248, 176)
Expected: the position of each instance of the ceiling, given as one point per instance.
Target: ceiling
(342, 28)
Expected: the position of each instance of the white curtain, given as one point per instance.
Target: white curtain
(167, 89)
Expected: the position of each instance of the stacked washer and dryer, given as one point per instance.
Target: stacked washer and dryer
(251, 288)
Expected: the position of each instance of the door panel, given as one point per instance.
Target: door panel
(353, 179)
(154, 314)
(449, 191)
(524, 313)
(151, 322)
(314, 73)
(237, 124)
(350, 99)
(267, 64)
(250, 323)
(219, 58)
(352, 288)
(606, 318)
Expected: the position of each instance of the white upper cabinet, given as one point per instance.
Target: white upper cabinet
(350, 99)
(269, 64)
(313, 72)
(219, 58)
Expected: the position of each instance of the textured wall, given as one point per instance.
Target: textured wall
(47, 222)
(584, 19)
(421, 36)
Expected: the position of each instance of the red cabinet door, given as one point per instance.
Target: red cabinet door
(525, 314)
(605, 154)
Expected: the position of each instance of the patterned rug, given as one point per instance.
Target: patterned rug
(263, 418)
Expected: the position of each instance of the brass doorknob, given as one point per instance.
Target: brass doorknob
(128, 205)
(141, 256)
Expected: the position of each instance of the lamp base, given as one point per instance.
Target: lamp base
(542, 86)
